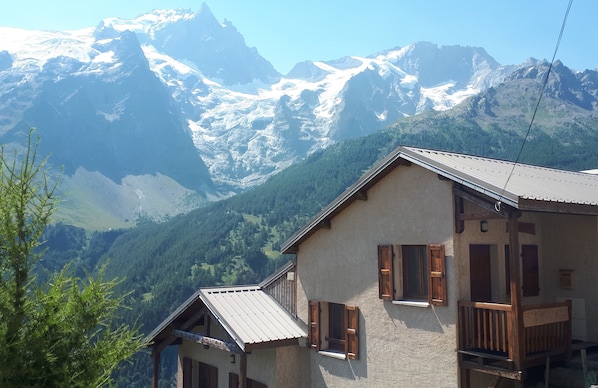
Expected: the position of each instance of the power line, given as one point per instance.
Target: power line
(529, 128)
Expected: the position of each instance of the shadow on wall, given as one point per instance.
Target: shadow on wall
(433, 318)
(353, 370)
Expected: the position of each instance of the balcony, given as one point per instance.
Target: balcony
(495, 338)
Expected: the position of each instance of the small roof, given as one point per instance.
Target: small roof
(250, 316)
(524, 187)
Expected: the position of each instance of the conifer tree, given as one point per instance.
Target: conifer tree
(62, 333)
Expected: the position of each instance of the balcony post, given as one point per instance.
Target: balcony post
(516, 340)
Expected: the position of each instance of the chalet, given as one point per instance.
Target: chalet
(434, 268)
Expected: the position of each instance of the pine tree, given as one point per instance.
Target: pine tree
(61, 333)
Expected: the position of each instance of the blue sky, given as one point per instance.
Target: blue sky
(286, 32)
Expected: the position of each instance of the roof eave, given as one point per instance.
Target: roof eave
(535, 205)
(171, 318)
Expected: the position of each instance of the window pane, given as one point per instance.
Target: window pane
(336, 331)
(336, 321)
(415, 270)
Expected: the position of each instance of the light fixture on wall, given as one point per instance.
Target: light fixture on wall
(483, 226)
(232, 356)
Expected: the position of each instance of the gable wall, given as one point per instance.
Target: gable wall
(399, 345)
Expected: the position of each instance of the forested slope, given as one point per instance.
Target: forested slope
(237, 240)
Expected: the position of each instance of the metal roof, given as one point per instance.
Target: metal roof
(524, 187)
(251, 316)
(524, 183)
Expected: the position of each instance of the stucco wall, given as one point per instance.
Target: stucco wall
(261, 364)
(399, 345)
(571, 242)
(292, 365)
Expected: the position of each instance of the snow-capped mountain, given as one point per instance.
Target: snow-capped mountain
(177, 93)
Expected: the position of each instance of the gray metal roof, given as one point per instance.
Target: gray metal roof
(251, 316)
(521, 186)
(523, 182)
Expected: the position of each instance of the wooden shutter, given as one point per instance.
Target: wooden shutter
(385, 276)
(314, 324)
(352, 337)
(437, 275)
(530, 270)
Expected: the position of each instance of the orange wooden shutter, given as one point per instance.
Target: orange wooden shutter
(314, 324)
(437, 275)
(352, 337)
(385, 276)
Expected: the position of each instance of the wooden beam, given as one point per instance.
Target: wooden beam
(484, 204)
(324, 224)
(459, 209)
(243, 371)
(525, 227)
(166, 342)
(362, 195)
(209, 341)
(509, 374)
(194, 318)
(516, 340)
(479, 216)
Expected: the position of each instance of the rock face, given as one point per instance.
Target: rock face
(119, 122)
(179, 94)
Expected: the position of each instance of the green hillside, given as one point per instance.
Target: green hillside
(237, 240)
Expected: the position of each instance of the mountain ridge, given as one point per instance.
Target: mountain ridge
(221, 128)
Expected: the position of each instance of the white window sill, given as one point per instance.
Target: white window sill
(412, 303)
(329, 353)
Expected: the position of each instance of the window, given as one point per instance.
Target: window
(412, 273)
(415, 267)
(334, 328)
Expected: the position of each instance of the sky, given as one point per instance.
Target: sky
(286, 32)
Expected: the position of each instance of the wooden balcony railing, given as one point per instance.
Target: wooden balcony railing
(488, 328)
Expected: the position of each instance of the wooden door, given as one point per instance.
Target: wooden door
(480, 273)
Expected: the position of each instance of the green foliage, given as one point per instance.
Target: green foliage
(61, 334)
(68, 338)
(238, 240)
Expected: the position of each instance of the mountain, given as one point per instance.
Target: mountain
(564, 132)
(173, 109)
(237, 240)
